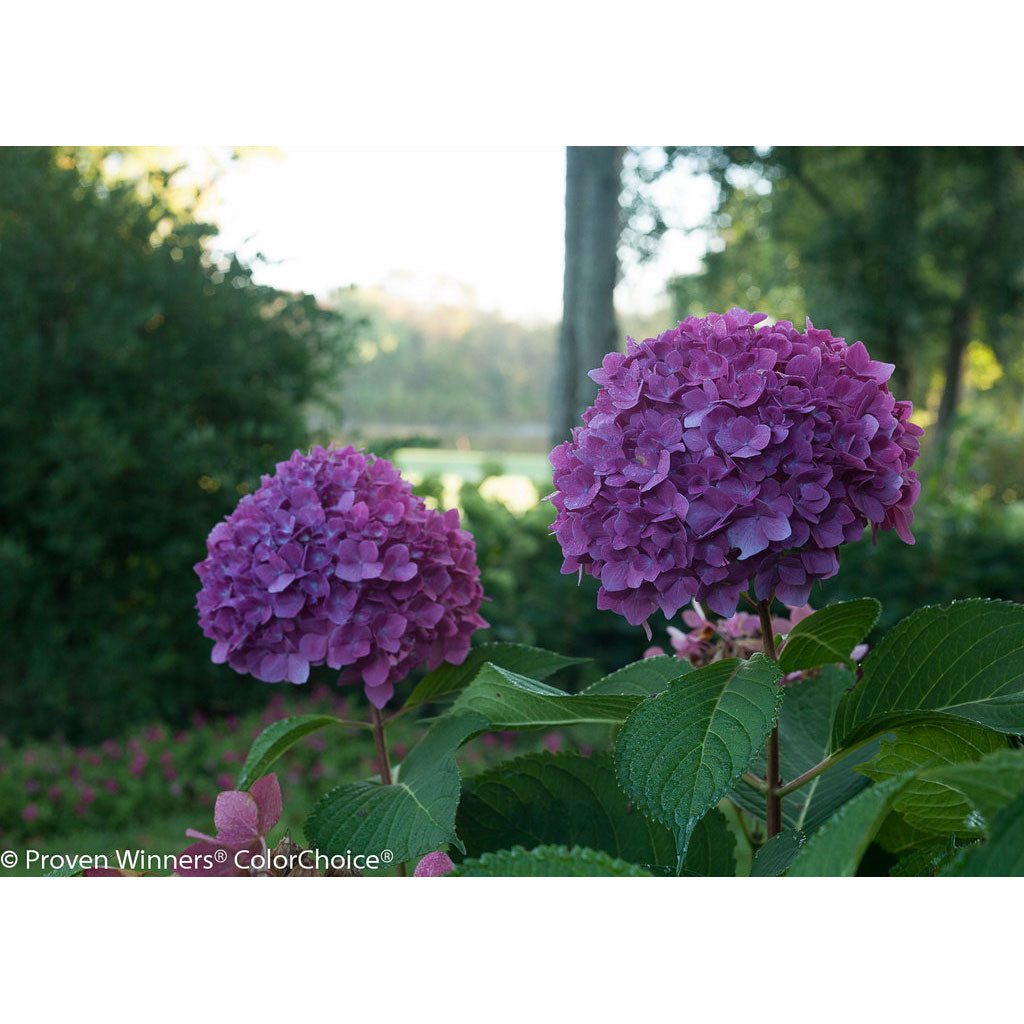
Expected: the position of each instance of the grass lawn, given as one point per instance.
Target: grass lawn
(469, 465)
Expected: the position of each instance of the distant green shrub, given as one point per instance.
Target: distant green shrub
(144, 385)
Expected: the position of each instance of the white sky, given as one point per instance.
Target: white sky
(492, 219)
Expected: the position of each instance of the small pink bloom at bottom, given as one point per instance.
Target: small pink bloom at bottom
(434, 865)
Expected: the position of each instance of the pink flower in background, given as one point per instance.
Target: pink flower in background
(111, 786)
(55, 793)
(224, 780)
(30, 812)
(553, 742)
(738, 636)
(138, 764)
(434, 865)
(243, 821)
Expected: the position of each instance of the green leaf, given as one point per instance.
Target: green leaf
(774, 858)
(897, 837)
(642, 678)
(545, 862)
(989, 784)
(558, 799)
(448, 681)
(712, 849)
(679, 753)
(511, 701)
(410, 818)
(927, 805)
(805, 737)
(1002, 854)
(277, 738)
(829, 635)
(837, 847)
(965, 659)
(927, 859)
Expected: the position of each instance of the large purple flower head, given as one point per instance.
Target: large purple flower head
(721, 453)
(334, 560)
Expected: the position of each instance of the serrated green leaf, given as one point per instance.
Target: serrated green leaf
(805, 736)
(679, 753)
(712, 849)
(412, 817)
(448, 681)
(927, 859)
(65, 871)
(965, 660)
(1002, 854)
(989, 784)
(829, 635)
(895, 836)
(511, 701)
(642, 678)
(927, 805)
(837, 847)
(546, 862)
(774, 858)
(558, 799)
(276, 739)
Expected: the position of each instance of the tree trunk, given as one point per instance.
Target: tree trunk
(588, 331)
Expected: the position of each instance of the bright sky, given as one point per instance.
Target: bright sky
(423, 219)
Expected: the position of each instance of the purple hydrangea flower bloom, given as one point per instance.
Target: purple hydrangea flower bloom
(334, 560)
(434, 865)
(721, 453)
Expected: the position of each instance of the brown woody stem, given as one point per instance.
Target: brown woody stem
(773, 801)
(383, 763)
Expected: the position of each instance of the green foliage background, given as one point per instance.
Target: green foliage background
(144, 386)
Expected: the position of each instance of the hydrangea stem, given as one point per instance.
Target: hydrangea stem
(773, 801)
(383, 762)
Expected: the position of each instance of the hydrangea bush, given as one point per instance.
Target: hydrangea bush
(720, 471)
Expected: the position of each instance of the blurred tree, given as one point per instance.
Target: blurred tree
(915, 250)
(443, 367)
(143, 388)
(593, 224)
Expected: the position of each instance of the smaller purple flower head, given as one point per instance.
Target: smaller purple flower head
(723, 455)
(335, 561)
(434, 865)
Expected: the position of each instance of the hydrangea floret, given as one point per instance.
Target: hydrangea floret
(334, 560)
(723, 453)
(739, 636)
